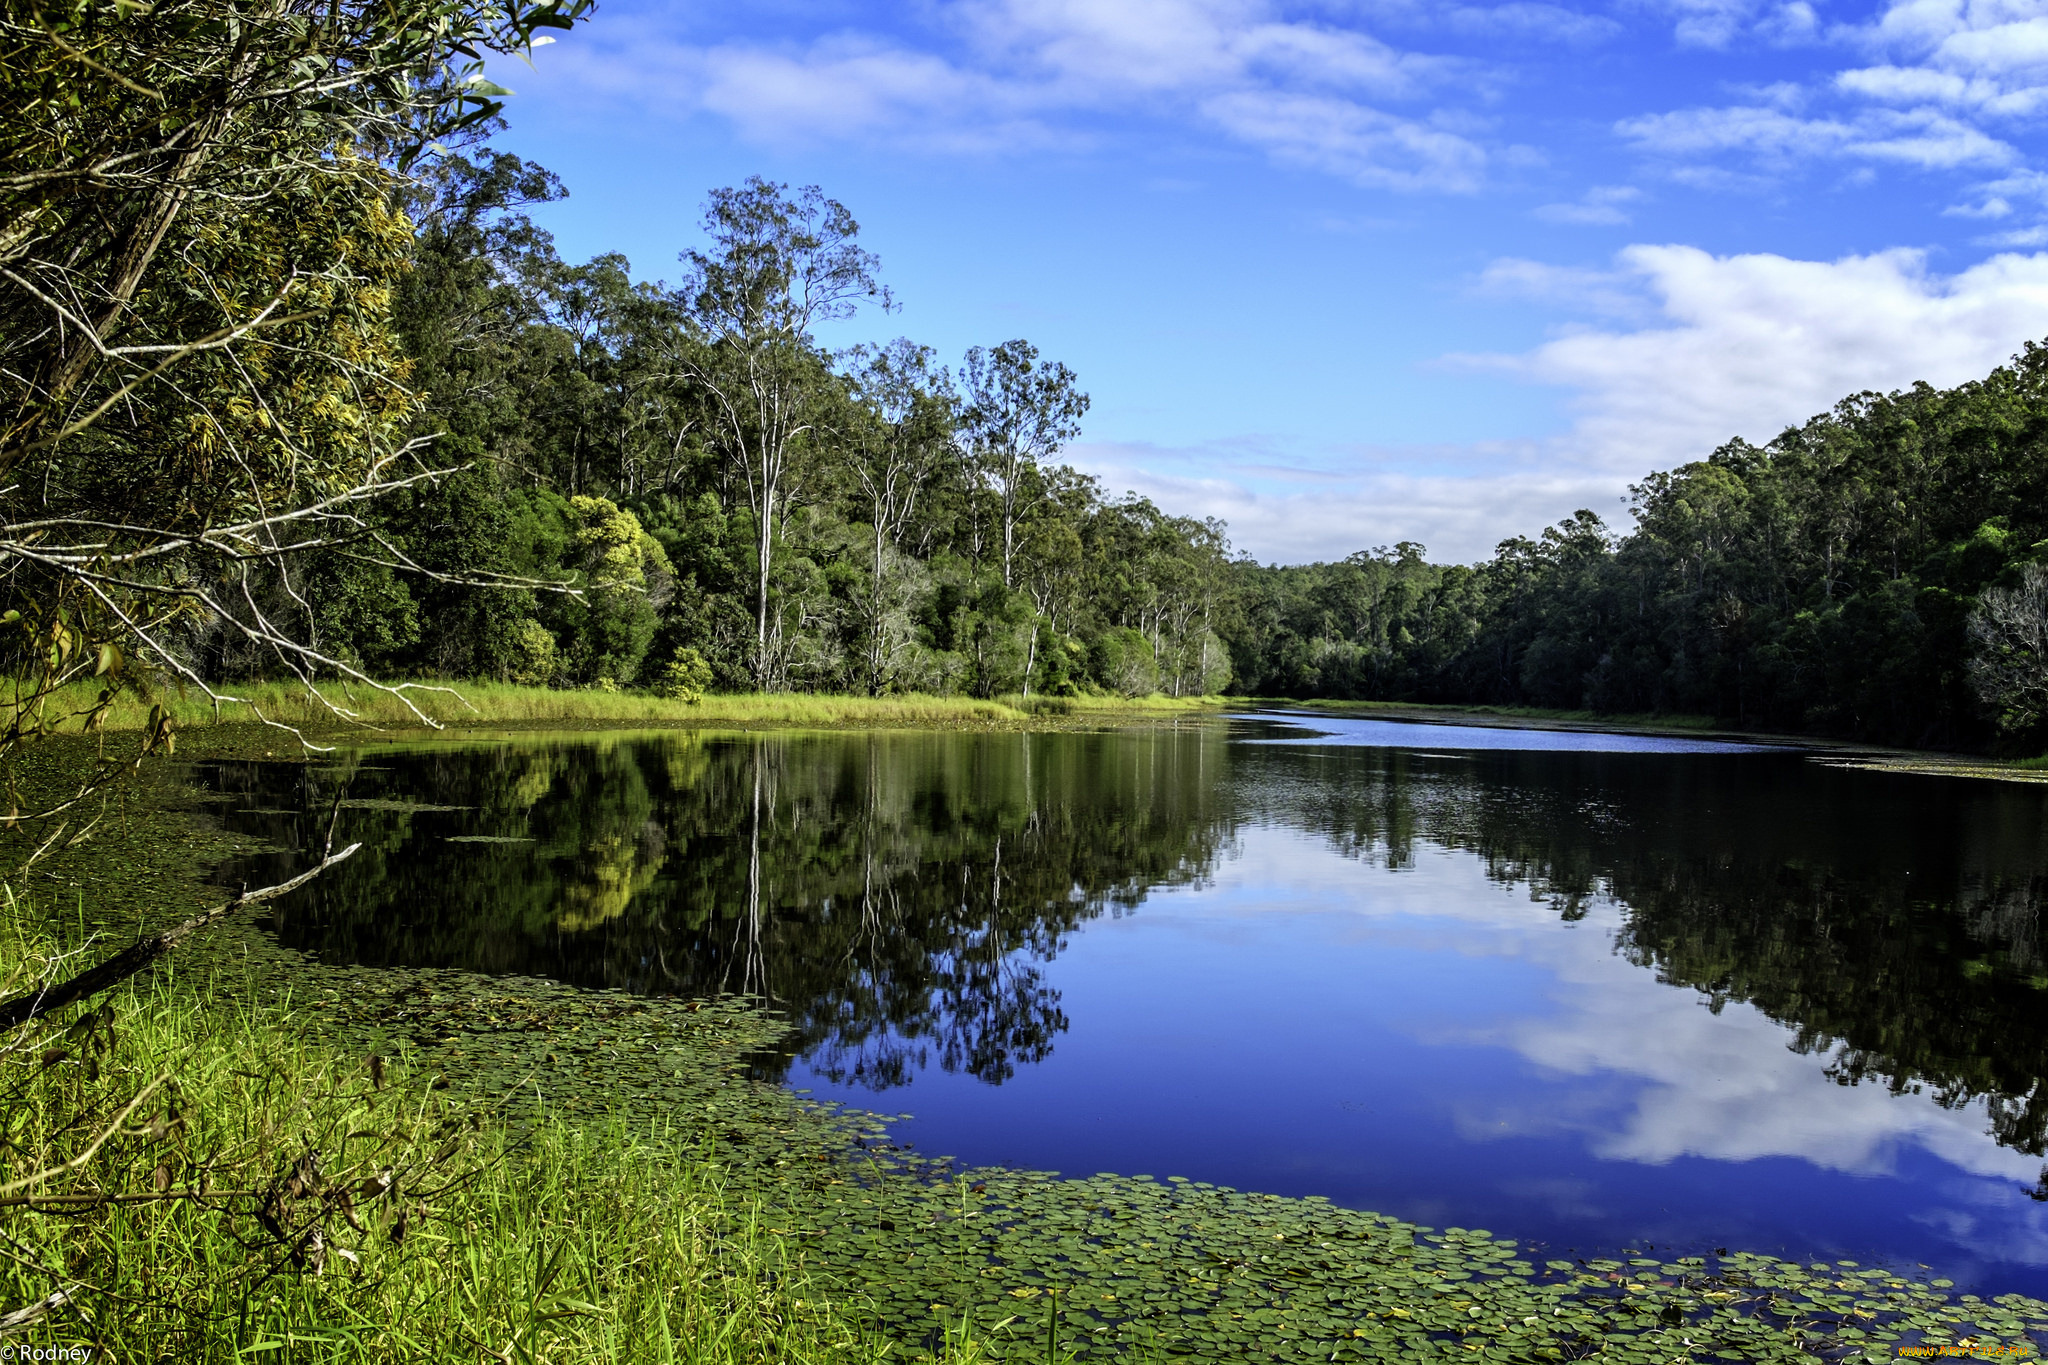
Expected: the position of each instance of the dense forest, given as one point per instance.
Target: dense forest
(745, 509)
(1873, 573)
(739, 507)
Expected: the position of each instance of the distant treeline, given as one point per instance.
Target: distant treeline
(742, 508)
(1875, 573)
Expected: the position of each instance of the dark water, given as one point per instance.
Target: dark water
(1592, 992)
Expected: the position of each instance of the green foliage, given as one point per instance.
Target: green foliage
(1827, 581)
(1123, 661)
(206, 1184)
(684, 677)
(535, 659)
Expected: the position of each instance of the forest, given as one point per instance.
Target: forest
(736, 506)
(1874, 573)
(743, 509)
(748, 510)
(347, 414)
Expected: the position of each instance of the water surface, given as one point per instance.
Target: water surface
(1591, 991)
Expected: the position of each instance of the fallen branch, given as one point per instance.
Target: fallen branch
(43, 1000)
(35, 1312)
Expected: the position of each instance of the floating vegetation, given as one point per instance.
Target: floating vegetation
(489, 839)
(1038, 1267)
(1113, 1265)
(381, 803)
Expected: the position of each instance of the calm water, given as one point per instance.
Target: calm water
(1590, 991)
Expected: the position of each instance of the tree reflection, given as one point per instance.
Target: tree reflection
(896, 895)
(1891, 921)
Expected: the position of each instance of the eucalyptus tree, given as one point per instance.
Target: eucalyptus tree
(198, 249)
(904, 409)
(2009, 659)
(777, 266)
(1018, 414)
(1054, 562)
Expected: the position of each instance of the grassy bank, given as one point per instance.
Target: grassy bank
(340, 707)
(197, 1181)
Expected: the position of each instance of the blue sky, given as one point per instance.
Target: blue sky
(1361, 271)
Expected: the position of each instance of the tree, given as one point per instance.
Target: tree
(904, 424)
(777, 267)
(199, 383)
(1018, 415)
(2009, 659)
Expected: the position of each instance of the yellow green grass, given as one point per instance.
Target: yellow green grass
(339, 706)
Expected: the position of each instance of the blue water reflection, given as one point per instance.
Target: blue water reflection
(1589, 991)
(1431, 1044)
(1324, 728)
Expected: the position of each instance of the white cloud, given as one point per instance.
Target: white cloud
(1695, 349)
(1920, 137)
(1950, 83)
(1719, 23)
(1749, 344)
(1347, 139)
(1600, 206)
(1376, 498)
(998, 74)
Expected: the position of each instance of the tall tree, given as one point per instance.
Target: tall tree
(1019, 413)
(778, 265)
(904, 412)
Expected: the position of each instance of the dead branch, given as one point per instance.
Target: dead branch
(34, 1004)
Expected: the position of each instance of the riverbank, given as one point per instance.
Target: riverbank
(342, 709)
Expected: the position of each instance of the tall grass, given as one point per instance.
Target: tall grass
(483, 703)
(193, 1181)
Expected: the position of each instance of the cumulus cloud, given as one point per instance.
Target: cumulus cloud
(1004, 74)
(1746, 345)
(1676, 351)
(1944, 85)
(1357, 499)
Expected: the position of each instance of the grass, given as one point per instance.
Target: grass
(200, 1183)
(485, 703)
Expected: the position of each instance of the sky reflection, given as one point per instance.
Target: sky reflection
(1429, 1042)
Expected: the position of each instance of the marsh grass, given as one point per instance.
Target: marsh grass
(483, 703)
(195, 1181)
